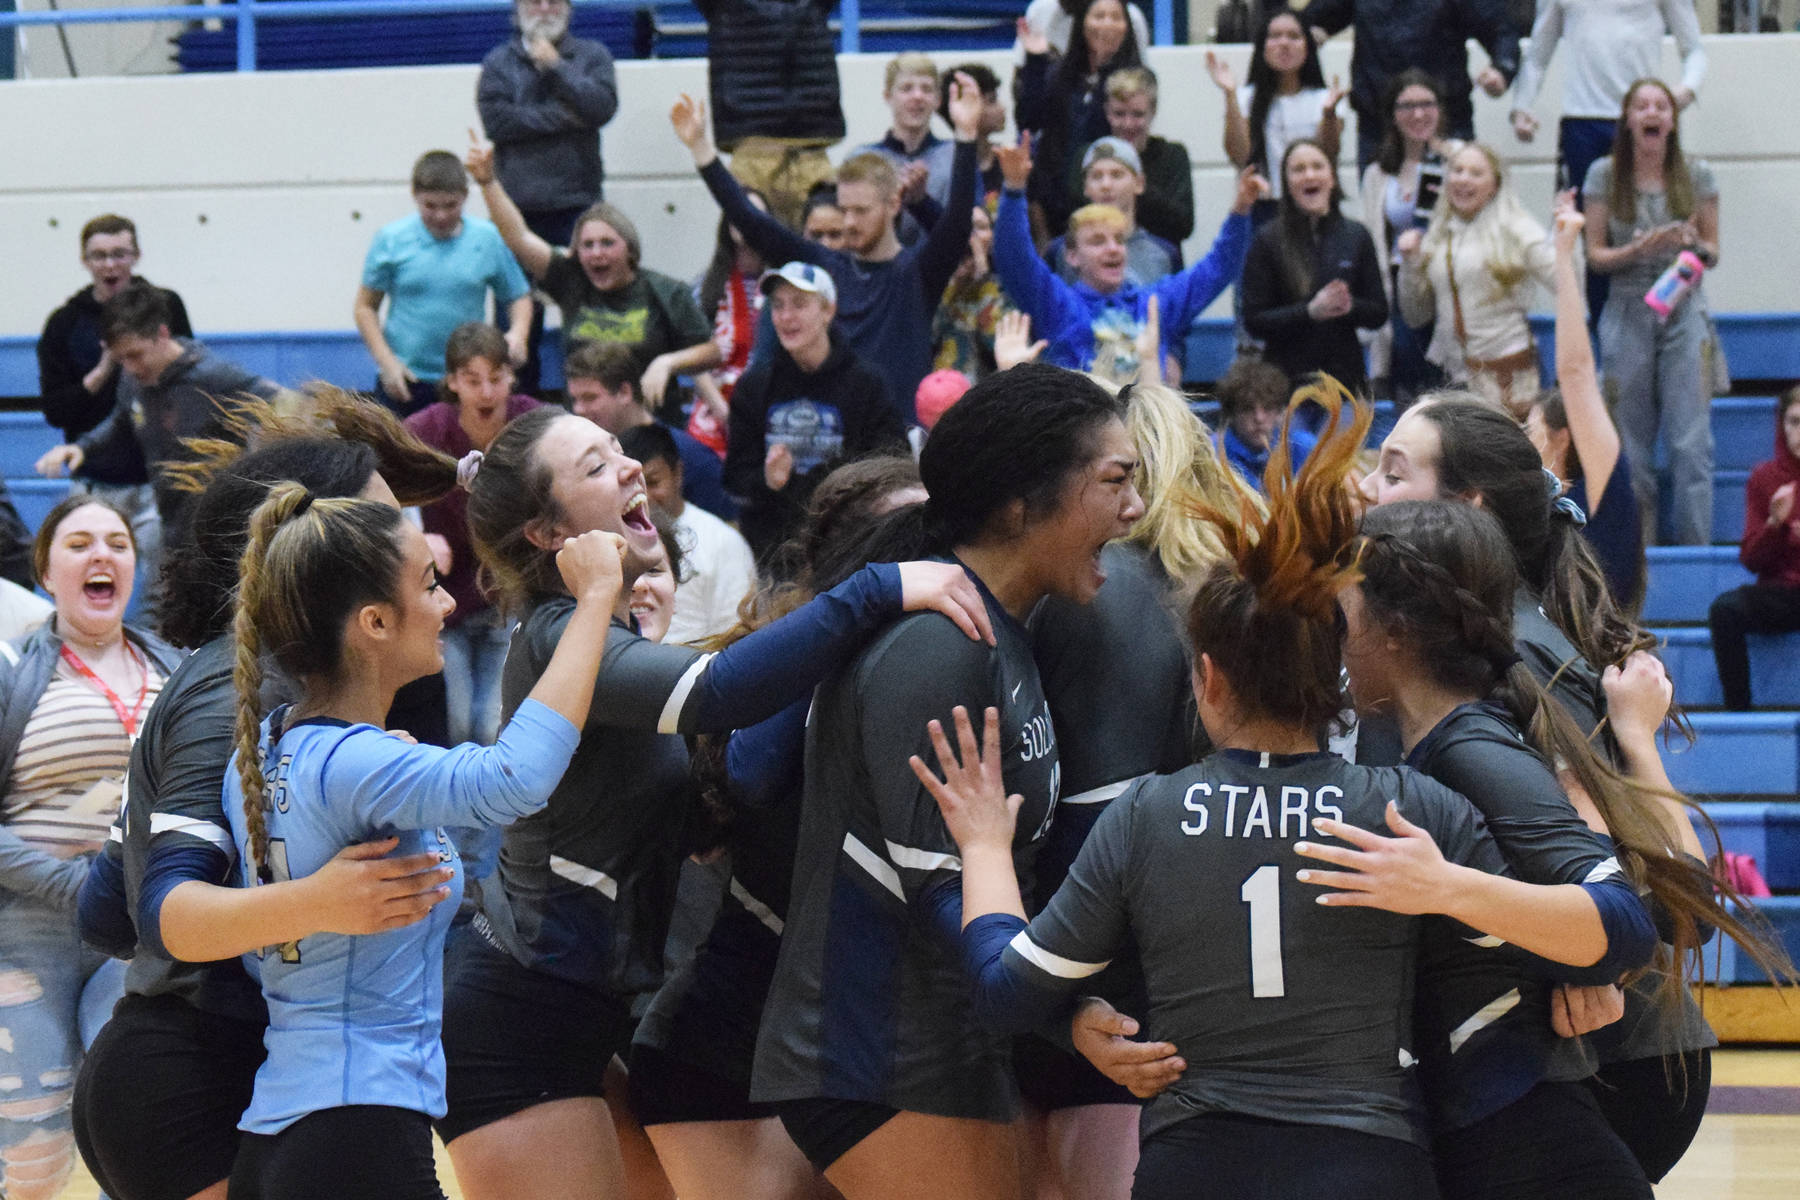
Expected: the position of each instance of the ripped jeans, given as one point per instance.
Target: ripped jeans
(51, 987)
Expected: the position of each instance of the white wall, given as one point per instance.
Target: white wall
(256, 195)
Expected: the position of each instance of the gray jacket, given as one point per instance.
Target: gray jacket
(26, 667)
(545, 125)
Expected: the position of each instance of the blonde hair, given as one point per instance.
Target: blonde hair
(1131, 81)
(1095, 215)
(1178, 474)
(1495, 228)
(910, 62)
(309, 564)
(870, 168)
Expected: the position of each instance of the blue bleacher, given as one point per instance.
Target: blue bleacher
(1684, 580)
(1774, 668)
(1725, 963)
(35, 497)
(1768, 832)
(1739, 754)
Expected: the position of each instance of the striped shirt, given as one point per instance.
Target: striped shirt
(68, 775)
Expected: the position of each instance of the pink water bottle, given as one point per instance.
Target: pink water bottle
(1682, 277)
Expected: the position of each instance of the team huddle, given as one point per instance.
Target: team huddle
(1092, 820)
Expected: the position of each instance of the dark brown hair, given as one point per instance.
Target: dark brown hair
(1678, 180)
(439, 171)
(612, 364)
(108, 223)
(1392, 153)
(510, 495)
(46, 533)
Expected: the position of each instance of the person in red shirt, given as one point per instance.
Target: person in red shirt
(1771, 548)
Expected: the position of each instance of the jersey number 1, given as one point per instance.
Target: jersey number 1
(1262, 892)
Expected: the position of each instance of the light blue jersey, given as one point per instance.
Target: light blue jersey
(434, 284)
(355, 1020)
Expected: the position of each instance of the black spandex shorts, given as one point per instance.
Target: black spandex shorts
(1552, 1141)
(667, 1091)
(1237, 1155)
(159, 1095)
(1051, 1078)
(826, 1129)
(515, 1038)
(358, 1152)
(1655, 1105)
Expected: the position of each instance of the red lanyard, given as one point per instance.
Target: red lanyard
(128, 719)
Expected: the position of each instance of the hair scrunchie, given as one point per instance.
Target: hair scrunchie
(1569, 511)
(466, 468)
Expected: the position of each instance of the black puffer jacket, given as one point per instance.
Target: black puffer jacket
(773, 70)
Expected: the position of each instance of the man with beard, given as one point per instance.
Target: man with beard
(543, 97)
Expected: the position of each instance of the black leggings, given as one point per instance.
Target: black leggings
(1735, 615)
(1655, 1105)
(358, 1152)
(1231, 1157)
(1552, 1141)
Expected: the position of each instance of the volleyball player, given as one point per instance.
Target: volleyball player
(867, 1043)
(160, 1092)
(343, 596)
(1116, 676)
(576, 925)
(1291, 1017)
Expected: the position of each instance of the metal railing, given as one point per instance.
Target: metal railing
(250, 13)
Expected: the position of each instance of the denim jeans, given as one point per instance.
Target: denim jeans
(474, 652)
(50, 987)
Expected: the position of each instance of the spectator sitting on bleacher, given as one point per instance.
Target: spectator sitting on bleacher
(1094, 324)
(717, 568)
(1771, 548)
(434, 268)
(1166, 206)
(1575, 434)
(1253, 400)
(605, 295)
(601, 379)
(886, 293)
(543, 97)
(78, 381)
(170, 389)
(1112, 173)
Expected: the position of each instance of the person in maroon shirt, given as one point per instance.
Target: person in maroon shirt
(477, 403)
(1771, 548)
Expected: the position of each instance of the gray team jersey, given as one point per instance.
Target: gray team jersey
(1284, 1009)
(869, 1001)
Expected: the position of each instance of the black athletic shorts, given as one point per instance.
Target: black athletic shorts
(826, 1129)
(1051, 1078)
(1655, 1105)
(666, 1091)
(1552, 1141)
(159, 1095)
(1227, 1154)
(357, 1152)
(515, 1038)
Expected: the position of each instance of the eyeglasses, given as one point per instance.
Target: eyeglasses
(105, 256)
(1410, 106)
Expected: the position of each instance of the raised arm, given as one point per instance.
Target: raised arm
(1237, 125)
(948, 241)
(1591, 428)
(763, 233)
(1032, 285)
(532, 251)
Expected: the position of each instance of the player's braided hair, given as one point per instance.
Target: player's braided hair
(308, 565)
(1267, 614)
(1438, 577)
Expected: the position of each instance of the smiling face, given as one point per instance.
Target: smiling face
(1104, 29)
(1284, 49)
(482, 389)
(1408, 469)
(604, 255)
(441, 212)
(912, 100)
(825, 225)
(1417, 113)
(868, 215)
(1650, 117)
(110, 258)
(653, 596)
(1099, 504)
(1369, 654)
(612, 409)
(1128, 118)
(595, 486)
(1097, 252)
(1309, 179)
(90, 572)
(1110, 181)
(1471, 182)
(420, 606)
(802, 319)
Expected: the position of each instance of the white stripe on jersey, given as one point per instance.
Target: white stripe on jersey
(586, 877)
(9, 654)
(1053, 964)
(922, 860)
(1603, 871)
(874, 864)
(206, 831)
(670, 721)
(1490, 1012)
(755, 907)
(1099, 795)
(1486, 941)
